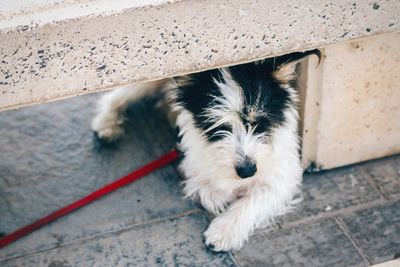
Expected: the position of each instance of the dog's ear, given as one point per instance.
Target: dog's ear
(285, 66)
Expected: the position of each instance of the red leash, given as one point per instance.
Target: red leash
(133, 176)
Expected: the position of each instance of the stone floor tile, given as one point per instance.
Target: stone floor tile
(386, 175)
(49, 159)
(318, 244)
(377, 231)
(174, 242)
(333, 190)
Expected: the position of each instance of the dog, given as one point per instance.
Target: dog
(238, 131)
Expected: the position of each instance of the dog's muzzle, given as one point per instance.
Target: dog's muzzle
(246, 169)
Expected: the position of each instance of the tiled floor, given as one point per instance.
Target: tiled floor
(48, 157)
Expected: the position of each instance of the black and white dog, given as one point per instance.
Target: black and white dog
(239, 134)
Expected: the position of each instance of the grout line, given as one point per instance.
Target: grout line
(375, 186)
(106, 233)
(329, 215)
(272, 228)
(234, 259)
(346, 231)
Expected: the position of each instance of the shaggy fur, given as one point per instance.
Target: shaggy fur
(238, 132)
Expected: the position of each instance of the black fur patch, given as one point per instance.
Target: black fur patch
(197, 96)
(256, 80)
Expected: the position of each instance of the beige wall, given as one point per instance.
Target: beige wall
(352, 102)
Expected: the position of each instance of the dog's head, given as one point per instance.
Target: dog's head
(237, 110)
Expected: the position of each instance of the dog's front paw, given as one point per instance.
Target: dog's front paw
(108, 126)
(221, 235)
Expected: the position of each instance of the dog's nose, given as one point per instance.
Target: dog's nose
(246, 169)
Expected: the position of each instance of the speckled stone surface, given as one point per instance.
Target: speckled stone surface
(317, 244)
(386, 175)
(352, 103)
(175, 242)
(63, 56)
(333, 190)
(377, 231)
(48, 158)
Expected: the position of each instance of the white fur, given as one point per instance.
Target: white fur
(108, 123)
(241, 205)
(252, 202)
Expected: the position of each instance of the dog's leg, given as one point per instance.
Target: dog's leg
(232, 228)
(108, 123)
(214, 202)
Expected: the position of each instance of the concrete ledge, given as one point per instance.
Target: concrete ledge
(49, 51)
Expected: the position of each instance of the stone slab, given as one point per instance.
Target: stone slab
(386, 175)
(318, 244)
(352, 103)
(377, 231)
(175, 242)
(56, 49)
(332, 191)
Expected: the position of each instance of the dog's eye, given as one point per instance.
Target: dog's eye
(218, 133)
(262, 125)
